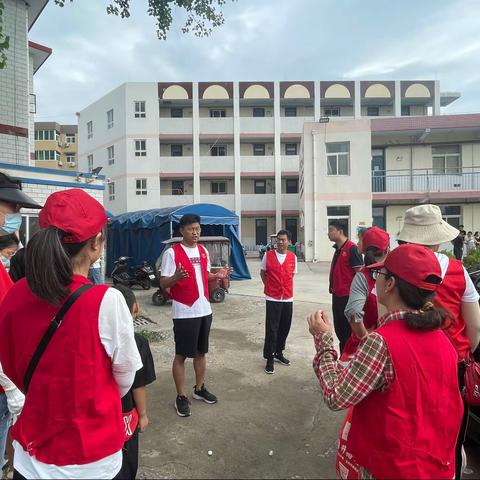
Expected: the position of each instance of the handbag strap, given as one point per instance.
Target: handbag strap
(52, 328)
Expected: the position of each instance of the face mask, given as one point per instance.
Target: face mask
(13, 221)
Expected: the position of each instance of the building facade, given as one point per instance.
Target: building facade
(236, 144)
(369, 171)
(56, 146)
(17, 111)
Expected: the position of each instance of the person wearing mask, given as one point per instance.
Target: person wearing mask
(346, 262)
(71, 424)
(8, 247)
(185, 271)
(361, 309)
(424, 225)
(12, 199)
(277, 270)
(402, 381)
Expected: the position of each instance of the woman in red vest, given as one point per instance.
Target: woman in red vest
(402, 381)
(361, 309)
(71, 423)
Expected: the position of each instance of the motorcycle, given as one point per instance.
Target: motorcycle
(141, 275)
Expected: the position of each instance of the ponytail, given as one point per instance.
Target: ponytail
(48, 267)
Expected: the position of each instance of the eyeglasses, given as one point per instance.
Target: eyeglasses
(376, 273)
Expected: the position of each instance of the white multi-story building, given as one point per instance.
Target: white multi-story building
(236, 144)
(17, 110)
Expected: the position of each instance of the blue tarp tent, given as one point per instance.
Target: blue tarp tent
(140, 234)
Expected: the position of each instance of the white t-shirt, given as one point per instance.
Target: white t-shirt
(201, 307)
(281, 258)
(115, 326)
(470, 295)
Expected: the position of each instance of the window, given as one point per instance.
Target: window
(258, 112)
(176, 112)
(260, 187)
(452, 214)
(218, 151)
(110, 118)
(70, 138)
(405, 110)
(446, 159)
(290, 111)
(71, 160)
(90, 129)
(373, 111)
(46, 135)
(291, 149)
(90, 162)
(176, 150)
(218, 187)
(291, 185)
(259, 149)
(218, 113)
(379, 217)
(140, 148)
(178, 187)
(139, 109)
(332, 112)
(340, 213)
(111, 191)
(47, 155)
(338, 158)
(291, 224)
(111, 155)
(141, 186)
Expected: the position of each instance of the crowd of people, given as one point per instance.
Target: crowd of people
(465, 242)
(75, 374)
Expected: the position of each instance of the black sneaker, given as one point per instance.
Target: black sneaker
(269, 367)
(182, 406)
(281, 359)
(204, 394)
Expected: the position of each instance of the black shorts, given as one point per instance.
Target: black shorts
(191, 335)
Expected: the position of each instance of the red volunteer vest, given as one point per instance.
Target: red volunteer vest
(279, 280)
(72, 412)
(186, 291)
(410, 430)
(342, 273)
(449, 296)
(370, 316)
(5, 284)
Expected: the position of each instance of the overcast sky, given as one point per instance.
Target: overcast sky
(261, 40)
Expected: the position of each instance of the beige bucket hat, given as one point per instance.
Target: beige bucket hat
(424, 225)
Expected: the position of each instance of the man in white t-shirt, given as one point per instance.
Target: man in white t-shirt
(277, 270)
(185, 271)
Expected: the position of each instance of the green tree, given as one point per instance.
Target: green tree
(202, 17)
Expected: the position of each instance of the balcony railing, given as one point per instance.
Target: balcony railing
(426, 180)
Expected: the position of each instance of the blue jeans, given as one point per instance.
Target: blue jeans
(4, 424)
(96, 274)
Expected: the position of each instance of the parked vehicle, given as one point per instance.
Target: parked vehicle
(141, 275)
(219, 251)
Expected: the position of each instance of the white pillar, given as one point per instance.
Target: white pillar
(237, 160)
(278, 156)
(398, 100)
(196, 143)
(357, 109)
(436, 99)
(317, 106)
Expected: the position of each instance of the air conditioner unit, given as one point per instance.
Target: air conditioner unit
(60, 163)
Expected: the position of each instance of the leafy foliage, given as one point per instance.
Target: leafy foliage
(4, 40)
(202, 15)
(472, 259)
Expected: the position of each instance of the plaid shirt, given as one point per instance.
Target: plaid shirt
(371, 368)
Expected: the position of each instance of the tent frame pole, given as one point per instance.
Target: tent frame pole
(171, 230)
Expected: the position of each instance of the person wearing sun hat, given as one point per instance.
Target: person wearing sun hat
(71, 424)
(361, 309)
(402, 381)
(424, 225)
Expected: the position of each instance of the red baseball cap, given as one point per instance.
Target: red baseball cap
(75, 212)
(375, 237)
(413, 264)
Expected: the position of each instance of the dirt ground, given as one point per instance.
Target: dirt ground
(264, 426)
